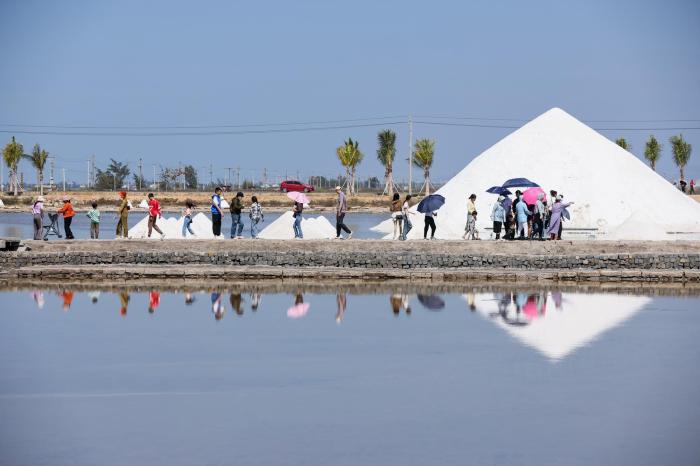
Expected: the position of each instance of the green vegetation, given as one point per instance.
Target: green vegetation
(350, 156)
(38, 159)
(622, 142)
(423, 155)
(12, 154)
(386, 154)
(113, 177)
(652, 151)
(681, 153)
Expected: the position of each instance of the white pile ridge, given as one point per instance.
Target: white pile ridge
(311, 227)
(557, 333)
(172, 227)
(614, 192)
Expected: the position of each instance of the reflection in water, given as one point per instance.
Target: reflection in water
(300, 308)
(236, 300)
(552, 322)
(216, 307)
(577, 321)
(153, 301)
(341, 300)
(432, 302)
(124, 299)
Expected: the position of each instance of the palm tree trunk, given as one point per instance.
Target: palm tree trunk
(388, 188)
(682, 171)
(426, 175)
(352, 181)
(653, 165)
(14, 181)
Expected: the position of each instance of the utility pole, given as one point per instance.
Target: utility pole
(228, 177)
(238, 178)
(140, 172)
(410, 155)
(88, 176)
(63, 172)
(211, 176)
(154, 177)
(51, 171)
(94, 171)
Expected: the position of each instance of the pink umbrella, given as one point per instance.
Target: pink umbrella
(297, 196)
(298, 310)
(530, 308)
(530, 195)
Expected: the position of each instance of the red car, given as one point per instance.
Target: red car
(287, 186)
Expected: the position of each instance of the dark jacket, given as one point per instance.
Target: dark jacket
(236, 205)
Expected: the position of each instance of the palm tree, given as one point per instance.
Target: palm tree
(681, 152)
(385, 155)
(350, 156)
(38, 160)
(423, 158)
(652, 151)
(622, 142)
(12, 154)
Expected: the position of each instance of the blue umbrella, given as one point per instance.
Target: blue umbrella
(520, 183)
(432, 301)
(431, 203)
(500, 190)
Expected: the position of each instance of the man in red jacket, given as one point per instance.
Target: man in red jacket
(153, 213)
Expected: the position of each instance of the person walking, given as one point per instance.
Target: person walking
(236, 219)
(429, 222)
(498, 216)
(509, 228)
(397, 216)
(256, 215)
(692, 186)
(298, 209)
(471, 232)
(471, 205)
(216, 212)
(407, 225)
(94, 216)
(154, 213)
(521, 213)
(187, 219)
(341, 208)
(38, 217)
(68, 214)
(554, 230)
(123, 211)
(539, 214)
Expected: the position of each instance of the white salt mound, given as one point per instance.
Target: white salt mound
(2, 204)
(614, 192)
(311, 227)
(172, 227)
(143, 204)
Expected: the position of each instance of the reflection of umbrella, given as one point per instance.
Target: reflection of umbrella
(519, 183)
(433, 301)
(499, 190)
(298, 310)
(431, 203)
(530, 308)
(297, 196)
(530, 195)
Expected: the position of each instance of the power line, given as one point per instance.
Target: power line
(478, 125)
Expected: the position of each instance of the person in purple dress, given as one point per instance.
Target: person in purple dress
(555, 219)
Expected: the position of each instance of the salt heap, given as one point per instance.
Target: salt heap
(172, 227)
(312, 228)
(616, 195)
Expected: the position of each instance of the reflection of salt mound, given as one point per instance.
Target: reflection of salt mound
(607, 183)
(312, 228)
(225, 204)
(557, 331)
(2, 204)
(172, 227)
(143, 204)
(638, 226)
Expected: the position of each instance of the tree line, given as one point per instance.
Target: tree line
(680, 148)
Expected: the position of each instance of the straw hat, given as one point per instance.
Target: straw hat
(40, 199)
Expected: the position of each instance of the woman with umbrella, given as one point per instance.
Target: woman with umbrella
(555, 219)
(428, 206)
(498, 216)
(299, 200)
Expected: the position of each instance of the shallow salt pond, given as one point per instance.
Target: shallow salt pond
(500, 377)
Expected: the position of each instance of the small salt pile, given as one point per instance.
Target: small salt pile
(312, 228)
(172, 227)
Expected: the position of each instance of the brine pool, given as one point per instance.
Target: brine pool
(498, 377)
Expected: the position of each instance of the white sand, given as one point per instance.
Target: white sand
(612, 189)
(312, 228)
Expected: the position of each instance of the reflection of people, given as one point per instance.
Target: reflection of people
(94, 296)
(216, 307)
(38, 297)
(255, 299)
(557, 298)
(153, 301)
(342, 302)
(67, 299)
(236, 300)
(399, 301)
(124, 299)
(189, 298)
(471, 301)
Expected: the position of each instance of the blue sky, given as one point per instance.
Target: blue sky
(172, 63)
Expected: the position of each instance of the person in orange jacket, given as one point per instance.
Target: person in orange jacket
(68, 214)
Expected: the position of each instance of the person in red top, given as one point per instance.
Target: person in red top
(153, 213)
(153, 301)
(68, 214)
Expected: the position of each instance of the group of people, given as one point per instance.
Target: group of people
(521, 220)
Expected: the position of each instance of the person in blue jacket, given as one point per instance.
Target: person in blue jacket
(521, 214)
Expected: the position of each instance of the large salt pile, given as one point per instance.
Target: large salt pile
(312, 228)
(616, 195)
(172, 227)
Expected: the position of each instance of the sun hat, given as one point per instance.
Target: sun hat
(338, 188)
(66, 198)
(40, 199)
